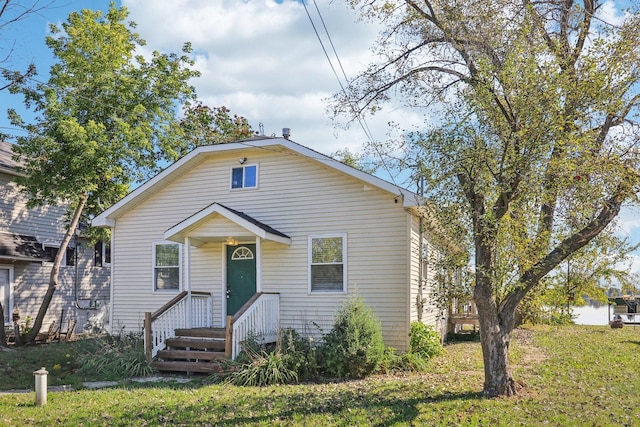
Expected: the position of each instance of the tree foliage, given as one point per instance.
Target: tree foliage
(355, 160)
(204, 125)
(103, 118)
(354, 348)
(584, 277)
(536, 133)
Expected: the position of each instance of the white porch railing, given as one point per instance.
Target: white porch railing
(176, 314)
(260, 316)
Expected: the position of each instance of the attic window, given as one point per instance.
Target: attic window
(244, 176)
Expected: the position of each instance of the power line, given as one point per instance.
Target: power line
(361, 120)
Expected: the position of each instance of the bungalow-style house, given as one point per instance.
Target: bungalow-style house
(261, 234)
(29, 241)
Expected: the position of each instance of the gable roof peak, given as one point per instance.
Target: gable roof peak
(402, 195)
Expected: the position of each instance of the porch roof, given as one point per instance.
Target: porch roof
(19, 247)
(184, 229)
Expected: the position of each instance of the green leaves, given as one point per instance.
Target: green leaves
(535, 140)
(103, 112)
(203, 125)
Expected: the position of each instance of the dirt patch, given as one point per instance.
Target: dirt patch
(531, 354)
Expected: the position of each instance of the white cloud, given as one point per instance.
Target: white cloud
(634, 263)
(610, 13)
(262, 59)
(628, 220)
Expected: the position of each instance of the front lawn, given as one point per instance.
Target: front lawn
(576, 375)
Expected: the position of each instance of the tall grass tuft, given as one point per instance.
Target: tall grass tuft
(118, 357)
(261, 367)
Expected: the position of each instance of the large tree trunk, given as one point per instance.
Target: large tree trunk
(495, 337)
(496, 323)
(55, 270)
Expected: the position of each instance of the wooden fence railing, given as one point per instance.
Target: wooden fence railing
(175, 314)
(259, 316)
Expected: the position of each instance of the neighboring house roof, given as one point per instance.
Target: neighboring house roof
(106, 218)
(252, 225)
(7, 164)
(19, 247)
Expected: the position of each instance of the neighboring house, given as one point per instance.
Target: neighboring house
(266, 219)
(29, 241)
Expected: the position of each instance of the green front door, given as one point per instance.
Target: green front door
(241, 276)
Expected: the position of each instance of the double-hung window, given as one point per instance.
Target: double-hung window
(327, 263)
(244, 176)
(167, 264)
(102, 254)
(50, 253)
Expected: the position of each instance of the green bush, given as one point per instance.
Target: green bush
(300, 354)
(424, 341)
(354, 347)
(117, 357)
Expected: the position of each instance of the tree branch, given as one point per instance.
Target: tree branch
(571, 244)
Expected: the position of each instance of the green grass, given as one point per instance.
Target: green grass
(570, 376)
(62, 361)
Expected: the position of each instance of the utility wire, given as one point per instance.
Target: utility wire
(361, 120)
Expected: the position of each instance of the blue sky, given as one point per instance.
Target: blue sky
(260, 58)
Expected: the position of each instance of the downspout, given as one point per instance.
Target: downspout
(187, 279)
(420, 295)
(76, 301)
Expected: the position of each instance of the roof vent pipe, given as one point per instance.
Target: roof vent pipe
(286, 133)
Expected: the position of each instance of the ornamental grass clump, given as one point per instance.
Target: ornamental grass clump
(260, 366)
(118, 357)
(354, 347)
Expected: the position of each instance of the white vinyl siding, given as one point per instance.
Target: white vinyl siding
(296, 196)
(89, 288)
(431, 313)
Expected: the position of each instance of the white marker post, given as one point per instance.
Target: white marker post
(41, 386)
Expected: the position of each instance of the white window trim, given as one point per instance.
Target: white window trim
(344, 263)
(103, 249)
(8, 311)
(153, 267)
(244, 166)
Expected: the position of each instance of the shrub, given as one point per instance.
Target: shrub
(117, 357)
(300, 354)
(354, 347)
(424, 340)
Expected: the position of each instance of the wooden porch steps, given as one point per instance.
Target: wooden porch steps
(202, 332)
(193, 350)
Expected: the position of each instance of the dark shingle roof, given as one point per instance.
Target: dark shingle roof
(19, 246)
